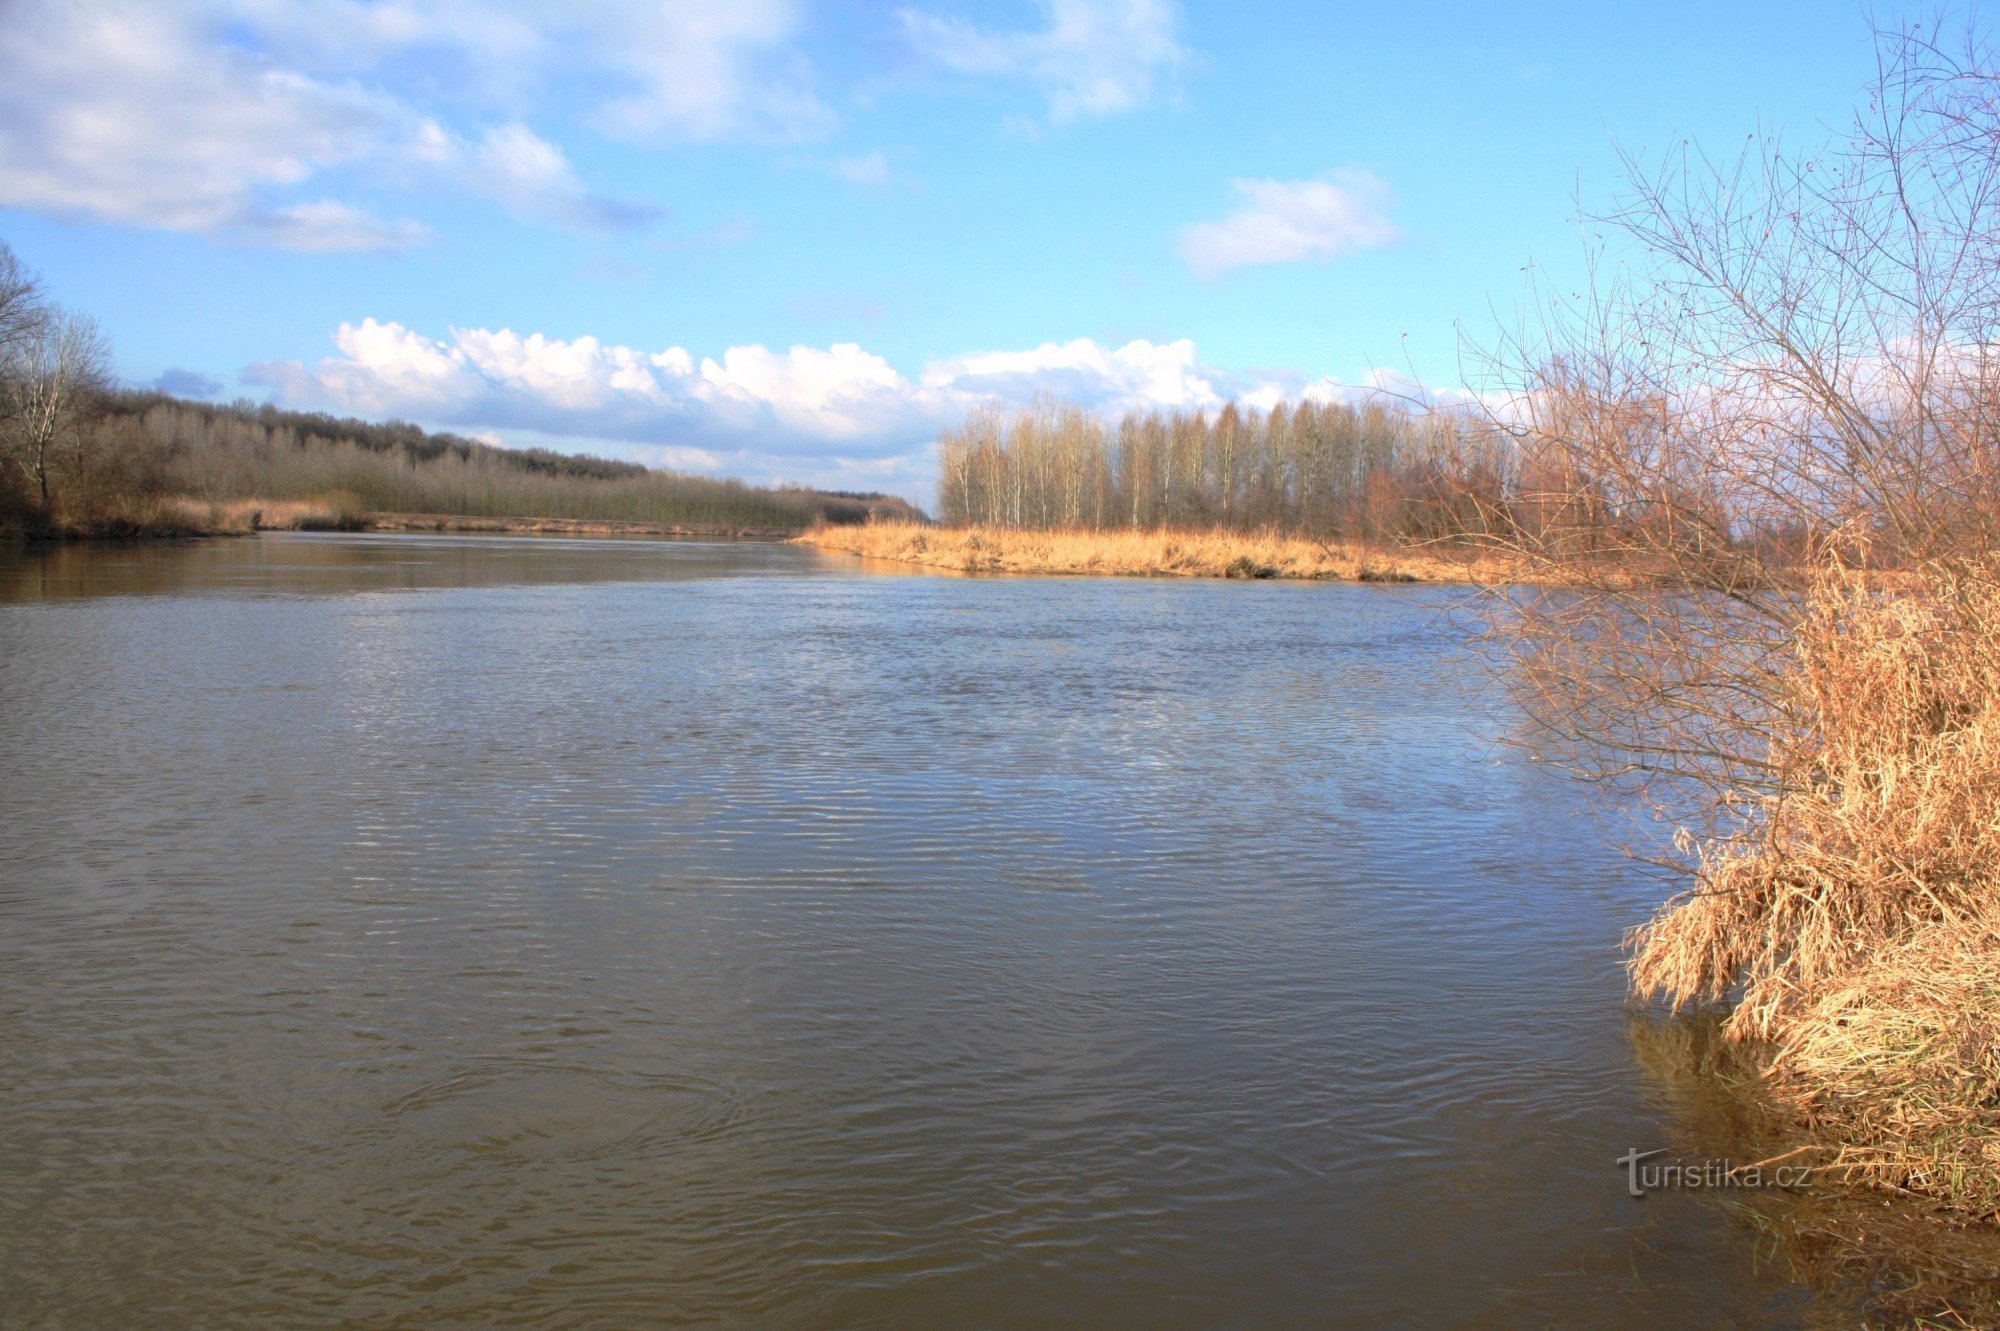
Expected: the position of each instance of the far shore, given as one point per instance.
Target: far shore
(452, 523)
(1159, 552)
(1155, 552)
(176, 517)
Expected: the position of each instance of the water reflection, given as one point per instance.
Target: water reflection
(1853, 1248)
(309, 563)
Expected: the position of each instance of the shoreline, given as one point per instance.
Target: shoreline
(183, 520)
(454, 524)
(1156, 552)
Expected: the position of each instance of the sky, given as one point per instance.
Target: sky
(792, 239)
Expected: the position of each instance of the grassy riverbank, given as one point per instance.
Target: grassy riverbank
(145, 516)
(1158, 552)
(1852, 927)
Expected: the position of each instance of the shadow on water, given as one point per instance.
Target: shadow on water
(1890, 1258)
(315, 563)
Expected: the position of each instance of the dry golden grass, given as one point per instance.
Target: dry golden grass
(129, 516)
(137, 515)
(1857, 924)
(338, 511)
(1152, 553)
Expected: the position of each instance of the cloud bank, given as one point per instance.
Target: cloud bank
(831, 415)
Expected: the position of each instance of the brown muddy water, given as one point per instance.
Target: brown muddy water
(503, 932)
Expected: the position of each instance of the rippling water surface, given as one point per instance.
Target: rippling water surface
(481, 932)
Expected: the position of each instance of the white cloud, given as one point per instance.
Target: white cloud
(241, 117)
(532, 179)
(1135, 376)
(1095, 57)
(804, 412)
(119, 112)
(326, 227)
(1301, 221)
(697, 70)
(679, 70)
(838, 399)
(838, 415)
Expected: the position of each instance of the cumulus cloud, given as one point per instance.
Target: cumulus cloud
(838, 415)
(1094, 58)
(217, 116)
(803, 412)
(1299, 221)
(809, 399)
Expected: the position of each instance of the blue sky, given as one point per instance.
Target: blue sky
(789, 239)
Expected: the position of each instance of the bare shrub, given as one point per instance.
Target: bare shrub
(1762, 458)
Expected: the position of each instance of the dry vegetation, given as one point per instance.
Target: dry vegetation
(1854, 919)
(1369, 492)
(1894, 1265)
(1788, 410)
(1377, 471)
(1156, 552)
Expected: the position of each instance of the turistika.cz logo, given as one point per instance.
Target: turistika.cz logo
(1696, 1175)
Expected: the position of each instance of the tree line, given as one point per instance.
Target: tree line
(80, 455)
(1360, 470)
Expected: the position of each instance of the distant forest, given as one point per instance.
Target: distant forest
(217, 454)
(81, 457)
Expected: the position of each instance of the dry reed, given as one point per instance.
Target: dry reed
(1157, 552)
(1855, 921)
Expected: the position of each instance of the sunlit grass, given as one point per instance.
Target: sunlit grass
(1157, 552)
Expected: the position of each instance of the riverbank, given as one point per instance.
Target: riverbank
(1852, 927)
(1155, 553)
(442, 522)
(179, 518)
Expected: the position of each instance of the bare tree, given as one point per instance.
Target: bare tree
(51, 383)
(1773, 411)
(21, 306)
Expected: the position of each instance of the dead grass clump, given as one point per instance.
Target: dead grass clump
(1856, 922)
(338, 511)
(134, 516)
(1155, 552)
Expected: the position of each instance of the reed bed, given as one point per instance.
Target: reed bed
(1854, 922)
(1156, 552)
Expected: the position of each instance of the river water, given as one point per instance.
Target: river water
(522, 932)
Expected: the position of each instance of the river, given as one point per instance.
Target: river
(493, 932)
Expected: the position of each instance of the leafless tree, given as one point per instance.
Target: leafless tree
(21, 306)
(1332, 470)
(1782, 358)
(51, 382)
